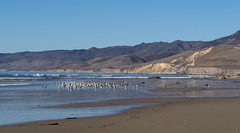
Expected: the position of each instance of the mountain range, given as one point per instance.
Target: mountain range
(220, 56)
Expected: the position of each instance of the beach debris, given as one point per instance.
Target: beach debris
(222, 77)
(141, 84)
(53, 124)
(154, 77)
(194, 77)
(208, 85)
(72, 118)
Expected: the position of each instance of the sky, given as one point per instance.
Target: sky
(39, 25)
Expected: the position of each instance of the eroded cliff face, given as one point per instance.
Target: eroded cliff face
(164, 68)
(213, 71)
(186, 65)
(179, 65)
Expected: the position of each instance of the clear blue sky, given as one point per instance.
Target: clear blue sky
(37, 25)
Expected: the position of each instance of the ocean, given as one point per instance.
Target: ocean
(24, 95)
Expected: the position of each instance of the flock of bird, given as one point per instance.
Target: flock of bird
(73, 85)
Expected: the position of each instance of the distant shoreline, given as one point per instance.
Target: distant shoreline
(214, 77)
(234, 72)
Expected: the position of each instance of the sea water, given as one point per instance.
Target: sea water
(23, 95)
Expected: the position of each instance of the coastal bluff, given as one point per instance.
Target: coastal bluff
(217, 57)
(194, 63)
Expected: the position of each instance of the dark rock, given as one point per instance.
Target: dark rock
(72, 118)
(154, 77)
(53, 124)
(222, 77)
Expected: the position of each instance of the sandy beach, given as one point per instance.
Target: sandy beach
(91, 66)
(180, 115)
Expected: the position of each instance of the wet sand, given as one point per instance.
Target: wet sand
(187, 89)
(179, 115)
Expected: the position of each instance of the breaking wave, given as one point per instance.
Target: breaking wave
(14, 84)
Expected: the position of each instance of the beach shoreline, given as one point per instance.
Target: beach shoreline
(163, 105)
(180, 115)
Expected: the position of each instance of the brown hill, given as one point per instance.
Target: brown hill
(133, 55)
(41, 60)
(122, 61)
(215, 60)
(159, 56)
(221, 56)
(79, 65)
(100, 63)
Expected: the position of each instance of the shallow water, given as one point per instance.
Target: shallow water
(23, 94)
(16, 115)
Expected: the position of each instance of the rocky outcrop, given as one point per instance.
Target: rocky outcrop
(213, 71)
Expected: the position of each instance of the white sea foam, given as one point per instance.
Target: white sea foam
(126, 77)
(18, 78)
(175, 77)
(14, 84)
(39, 76)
